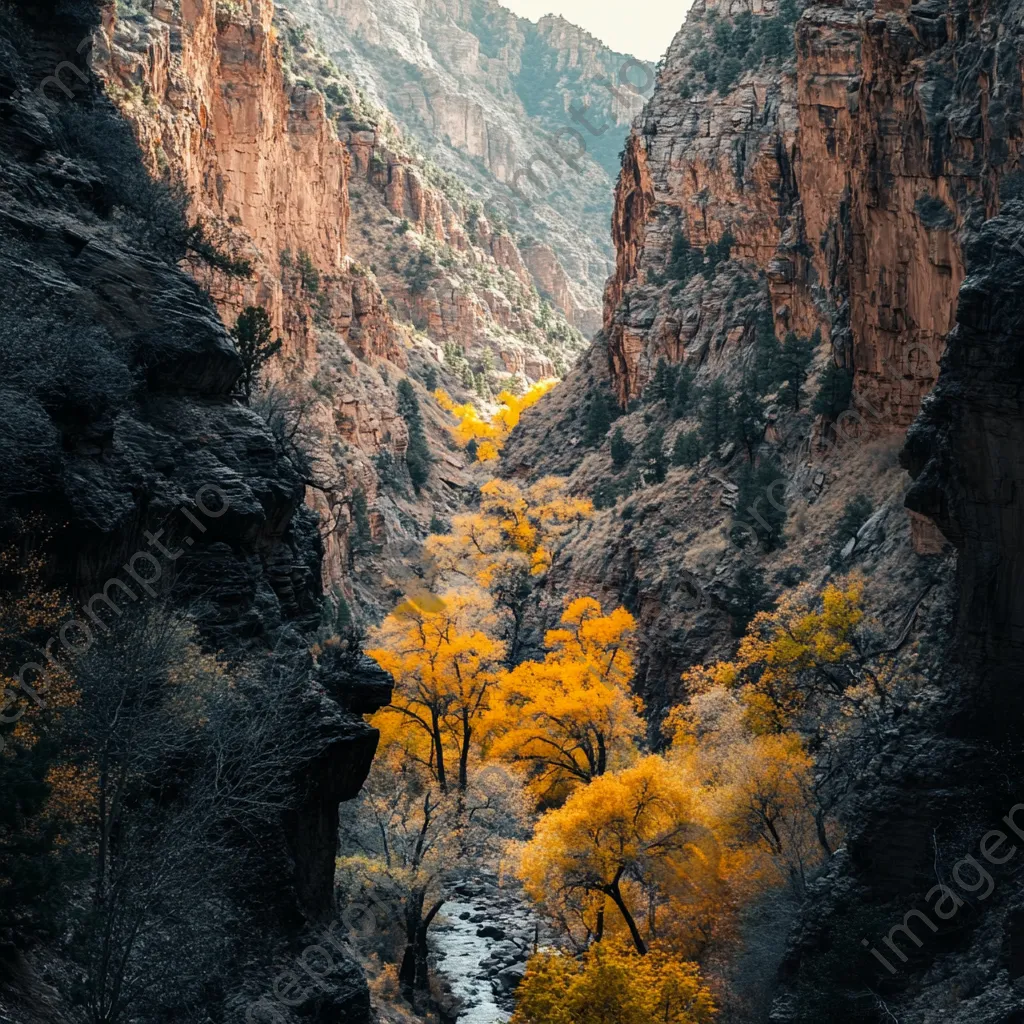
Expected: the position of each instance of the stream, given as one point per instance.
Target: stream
(482, 945)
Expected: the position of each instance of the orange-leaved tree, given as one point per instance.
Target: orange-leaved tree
(570, 718)
(491, 432)
(611, 984)
(503, 547)
(633, 839)
(804, 650)
(758, 789)
(445, 663)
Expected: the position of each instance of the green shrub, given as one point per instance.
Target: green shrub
(621, 449)
(688, 449)
(835, 388)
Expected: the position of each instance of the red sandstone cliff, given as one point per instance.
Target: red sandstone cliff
(365, 255)
(844, 172)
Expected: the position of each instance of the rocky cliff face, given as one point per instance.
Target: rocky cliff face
(119, 431)
(953, 774)
(531, 116)
(852, 176)
(371, 261)
(844, 173)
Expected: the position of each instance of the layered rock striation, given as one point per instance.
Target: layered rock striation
(530, 115)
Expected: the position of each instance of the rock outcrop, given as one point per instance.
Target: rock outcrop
(964, 452)
(844, 174)
(123, 450)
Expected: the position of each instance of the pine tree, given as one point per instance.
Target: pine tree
(684, 261)
(794, 361)
(687, 450)
(599, 420)
(683, 392)
(663, 383)
(758, 501)
(714, 416)
(251, 335)
(654, 460)
(747, 596)
(856, 513)
(835, 387)
(361, 536)
(748, 417)
(767, 354)
(622, 450)
(417, 455)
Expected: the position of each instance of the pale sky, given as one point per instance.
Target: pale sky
(643, 28)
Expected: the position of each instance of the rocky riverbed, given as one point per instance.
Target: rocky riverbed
(482, 945)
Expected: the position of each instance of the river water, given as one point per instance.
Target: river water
(482, 945)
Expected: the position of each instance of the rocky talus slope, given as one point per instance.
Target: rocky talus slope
(864, 180)
(530, 115)
(118, 421)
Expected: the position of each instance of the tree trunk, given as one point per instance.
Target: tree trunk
(467, 732)
(616, 896)
(819, 826)
(407, 970)
(442, 781)
(422, 983)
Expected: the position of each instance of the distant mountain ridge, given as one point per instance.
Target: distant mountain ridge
(531, 116)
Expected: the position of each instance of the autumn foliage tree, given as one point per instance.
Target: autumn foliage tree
(611, 984)
(488, 434)
(445, 664)
(570, 718)
(806, 649)
(511, 540)
(757, 789)
(619, 852)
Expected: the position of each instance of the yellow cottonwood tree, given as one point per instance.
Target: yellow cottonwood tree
(570, 718)
(444, 663)
(757, 788)
(805, 648)
(611, 984)
(492, 432)
(632, 840)
(513, 538)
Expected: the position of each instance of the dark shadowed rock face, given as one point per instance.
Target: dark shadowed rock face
(953, 771)
(966, 452)
(120, 443)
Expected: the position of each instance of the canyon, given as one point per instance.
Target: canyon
(852, 178)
